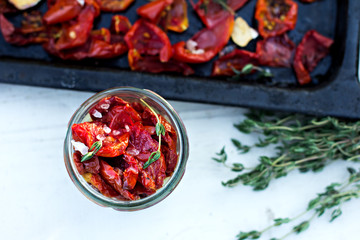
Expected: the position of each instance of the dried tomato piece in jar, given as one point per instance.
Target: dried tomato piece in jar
(205, 44)
(115, 5)
(148, 39)
(31, 31)
(91, 132)
(97, 182)
(276, 51)
(235, 60)
(153, 64)
(275, 17)
(211, 12)
(310, 51)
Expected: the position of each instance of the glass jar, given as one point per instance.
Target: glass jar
(163, 108)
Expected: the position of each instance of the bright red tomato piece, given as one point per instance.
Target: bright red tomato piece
(205, 44)
(62, 11)
(115, 5)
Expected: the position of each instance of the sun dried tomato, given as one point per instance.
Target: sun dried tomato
(212, 12)
(276, 51)
(205, 44)
(131, 172)
(115, 5)
(275, 17)
(62, 11)
(148, 39)
(310, 51)
(96, 181)
(168, 14)
(153, 64)
(89, 133)
(114, 180)
(76, 33)
(236, 59)
(31, 31)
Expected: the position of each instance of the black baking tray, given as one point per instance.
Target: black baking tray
(335, 89)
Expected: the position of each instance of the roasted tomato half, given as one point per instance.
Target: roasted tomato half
(205, 44)
(275, 17)
(309, 52)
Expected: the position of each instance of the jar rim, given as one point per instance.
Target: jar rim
(168, 185)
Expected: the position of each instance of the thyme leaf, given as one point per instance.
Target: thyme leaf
(92, 151)
(160, 131)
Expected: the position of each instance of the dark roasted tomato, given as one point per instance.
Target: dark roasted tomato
(102, 43)
(276, 51)
(115, 5)
(205, 44)
(211, 12)
(6, 7)
(148, 39)
(31, 31)
(62, 11)
(275, 17)
(146, 63)
(310, 51)
(236, 59)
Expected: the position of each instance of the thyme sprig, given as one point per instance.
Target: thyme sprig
(250, 68)
(160, 131)
(222, 3)
(302, 142)
(330, 200)
(92, 151)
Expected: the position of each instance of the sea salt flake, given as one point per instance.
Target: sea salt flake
(79, 146)
(97, 114)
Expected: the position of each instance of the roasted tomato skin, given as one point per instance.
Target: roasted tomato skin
(115, 5)
(212, 13)
(312, 48)
(275, 17)
(236, 59)
(62, 11)
(209, 40)
(276, 51)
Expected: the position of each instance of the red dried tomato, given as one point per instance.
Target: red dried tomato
(275, 17)
(146, 63)
(236, 59)
(115, 5)
(31, 31)
(212, 13)
(205, 44)
(310, 51)
(276, 51)
(98, 182)
(149, 39)
(168, 14)
(62, 11)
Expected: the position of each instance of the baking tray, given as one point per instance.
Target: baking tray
(335, 90)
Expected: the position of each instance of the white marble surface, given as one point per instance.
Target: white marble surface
(39, 201)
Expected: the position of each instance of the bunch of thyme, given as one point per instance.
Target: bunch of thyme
(335, 194)
(302, 142)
